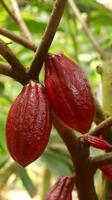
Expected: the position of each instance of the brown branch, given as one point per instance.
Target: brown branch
(13, 61)
(7, 70)
(8, 10)
(26, 43)
(95, 44)
(101, 160)
(101, 128)
(67, 134)
(19, 20)
(100, 115)
(47, 38)
(9, 56)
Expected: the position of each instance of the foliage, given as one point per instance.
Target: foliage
(70, 39)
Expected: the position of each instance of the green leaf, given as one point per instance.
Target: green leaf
(58, 163)
(27, 182)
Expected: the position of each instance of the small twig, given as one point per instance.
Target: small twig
(26, 43)
(7, 70)
(47, 38)
(100, 115)
(20, 21)
(99, 130)
(16, 66)
(8, 9)
(101, 160)
(9, 56)
(95, 44)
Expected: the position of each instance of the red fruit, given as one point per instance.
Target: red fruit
(99, 143)
(28, 124)
(69, 92)
(107, 171)
(62, 190)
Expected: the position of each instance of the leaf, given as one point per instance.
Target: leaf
(27, 182)
(59, 163)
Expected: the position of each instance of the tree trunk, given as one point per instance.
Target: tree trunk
(107, 106)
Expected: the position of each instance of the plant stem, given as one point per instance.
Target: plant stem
(26, 43)
(80, 156)
(101, 160)
(99, 129)
(19, 20)
(17, 67)
(95, 44)
(47, 38)
(45, 182)
(106, 76)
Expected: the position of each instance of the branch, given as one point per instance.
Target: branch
(7, 70)
(26, 43)
(101, 127)
(47, 38)
(100, 115)
(19, 20)
(8, 10)
(95, 44)
(67, 134)
(101, 160)
(13, 61)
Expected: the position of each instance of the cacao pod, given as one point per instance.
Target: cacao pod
(107, 171)
(96, 142)
(28, 124)
(62, 190)
(69, 92)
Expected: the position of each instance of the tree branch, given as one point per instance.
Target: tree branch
(100, 115)
(47, 38)
(99, 130)
(8, 10)
(19, 20)
(95, 44)
(26, 43)
(5, 69)
(101, 160)
(67, 134)
(13, 61)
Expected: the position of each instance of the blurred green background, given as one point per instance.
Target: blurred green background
(71, 39)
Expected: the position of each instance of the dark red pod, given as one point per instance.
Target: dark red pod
(28, 124)
(62, 190)
(69, 92)
(96, 142)
(107, 171)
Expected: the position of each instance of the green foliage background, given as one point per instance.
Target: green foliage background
(70, 39)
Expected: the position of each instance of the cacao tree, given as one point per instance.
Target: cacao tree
(55, 93)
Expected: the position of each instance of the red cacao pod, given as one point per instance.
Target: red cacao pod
(107, 171)
(69, 92)
(28, 124)
(62, 190)
(96, 142)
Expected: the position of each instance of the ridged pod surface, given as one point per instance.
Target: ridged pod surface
(96, 142)
(28, 124)
(62, 189)
(69, 92)
(107, 171)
